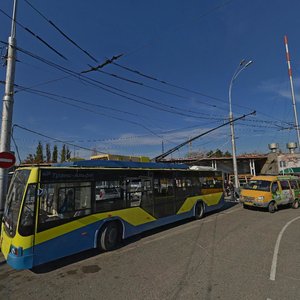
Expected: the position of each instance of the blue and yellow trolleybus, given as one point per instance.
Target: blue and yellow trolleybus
(55, 211)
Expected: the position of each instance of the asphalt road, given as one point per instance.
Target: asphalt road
(226, 255)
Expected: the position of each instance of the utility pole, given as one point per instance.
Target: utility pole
(8, 103)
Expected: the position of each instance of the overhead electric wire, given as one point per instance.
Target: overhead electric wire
(55, 139)
(151, 87)
(61, 32)
(98, 113)
(175, 86)
(35, 35)
(107, 88)
(43, 93)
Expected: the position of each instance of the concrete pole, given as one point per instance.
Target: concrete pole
(243, 64)
(7, 109)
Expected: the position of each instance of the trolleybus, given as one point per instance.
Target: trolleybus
(55, 211)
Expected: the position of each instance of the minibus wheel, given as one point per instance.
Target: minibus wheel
(295, 204)
(272, 207)
(110, 236)
(199, 210)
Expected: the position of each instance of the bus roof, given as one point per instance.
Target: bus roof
(273, 177)
(121, 164)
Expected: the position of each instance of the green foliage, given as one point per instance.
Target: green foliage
(227, 154)
(68, 154)
(218, 153)
(63, 153)
(48, 153)
(39, 157)
(54, 154)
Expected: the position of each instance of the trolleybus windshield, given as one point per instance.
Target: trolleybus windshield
(14, 200)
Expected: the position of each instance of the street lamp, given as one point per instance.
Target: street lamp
(243, 65)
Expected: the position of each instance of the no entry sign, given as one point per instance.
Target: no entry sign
(7, 160)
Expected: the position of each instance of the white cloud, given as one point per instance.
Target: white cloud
(281, 88)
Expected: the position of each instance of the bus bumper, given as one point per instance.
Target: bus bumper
(19, 259)
(255, 203)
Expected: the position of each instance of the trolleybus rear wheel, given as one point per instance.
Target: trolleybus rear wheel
(199, 210)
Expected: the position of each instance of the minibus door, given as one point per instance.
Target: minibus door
(286, 192)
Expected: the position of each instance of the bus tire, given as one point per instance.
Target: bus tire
(110, 236)
(199, 210)
(295, 204)
(272, 207)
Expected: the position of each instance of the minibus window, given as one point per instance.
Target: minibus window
(274, 187)
(285, 185)
(294, 184)
(260, 185)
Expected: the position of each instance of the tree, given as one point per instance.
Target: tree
(227, 154)
(68, 154)
(63, 153)
(210, 153)
(48, 153)
(29, 159)
(54, 154)
(218, 153)
(39, 157)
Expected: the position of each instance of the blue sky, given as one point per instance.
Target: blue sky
(195, 45)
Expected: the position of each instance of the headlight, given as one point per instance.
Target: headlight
(260, 198)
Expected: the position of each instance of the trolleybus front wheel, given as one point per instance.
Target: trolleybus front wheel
(110, 236)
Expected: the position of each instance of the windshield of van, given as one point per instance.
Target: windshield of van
(14, 200)
(260, 185)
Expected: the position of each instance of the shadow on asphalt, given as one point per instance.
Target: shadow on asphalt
(69, 260)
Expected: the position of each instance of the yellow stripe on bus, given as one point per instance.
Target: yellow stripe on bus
(134, 216)
(209, 200)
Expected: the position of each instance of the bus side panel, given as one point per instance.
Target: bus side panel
(81, 234)
(131, 230)
(64, 243)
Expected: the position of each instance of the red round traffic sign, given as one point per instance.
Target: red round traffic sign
(7, 160)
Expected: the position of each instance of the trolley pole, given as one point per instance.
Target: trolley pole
(7, 109)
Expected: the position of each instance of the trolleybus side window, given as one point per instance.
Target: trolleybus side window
(109, 195)
(60, 202)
